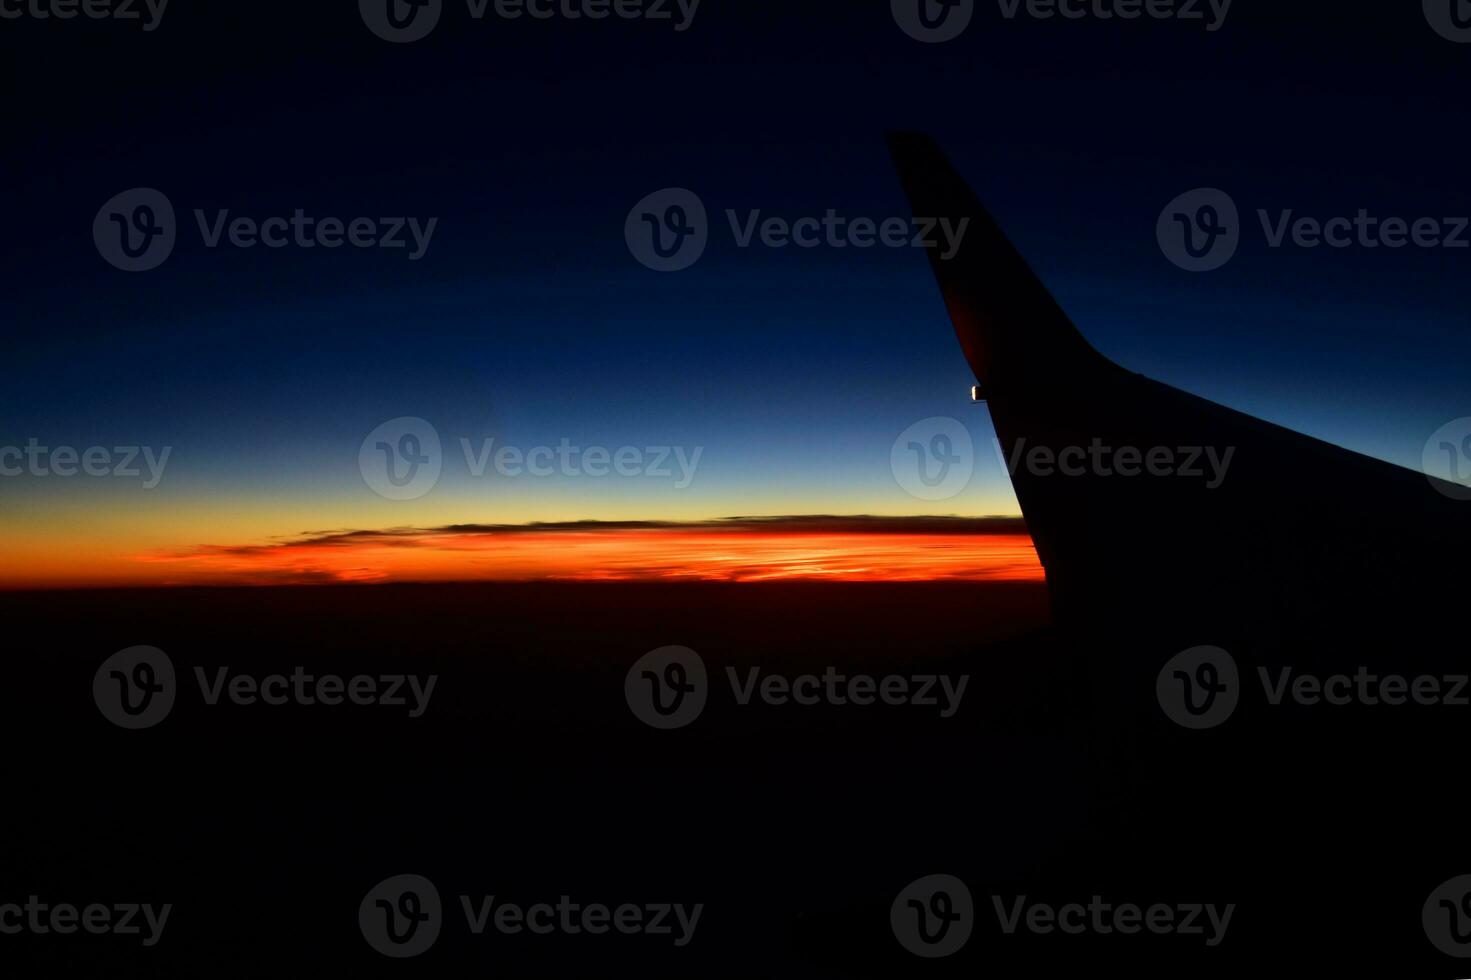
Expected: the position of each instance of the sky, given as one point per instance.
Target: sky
(528, 320)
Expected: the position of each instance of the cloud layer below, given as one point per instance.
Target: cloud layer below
(732, 549)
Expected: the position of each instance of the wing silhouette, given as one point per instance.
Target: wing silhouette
(1258, 535)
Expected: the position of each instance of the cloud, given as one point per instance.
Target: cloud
(858, 547)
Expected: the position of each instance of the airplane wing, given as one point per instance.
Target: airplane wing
(1190, 521)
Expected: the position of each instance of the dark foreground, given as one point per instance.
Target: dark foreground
(528, 778)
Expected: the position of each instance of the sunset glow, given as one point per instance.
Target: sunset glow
(604, 554)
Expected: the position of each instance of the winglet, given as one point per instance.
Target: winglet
(1014, 334)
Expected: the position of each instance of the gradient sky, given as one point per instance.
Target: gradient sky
(529, 322)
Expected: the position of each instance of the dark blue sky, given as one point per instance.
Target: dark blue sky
(528, 319)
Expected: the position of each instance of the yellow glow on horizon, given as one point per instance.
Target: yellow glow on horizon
(76, 535)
